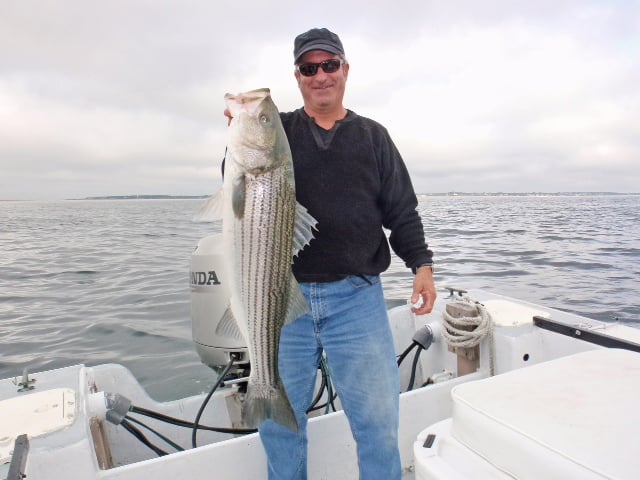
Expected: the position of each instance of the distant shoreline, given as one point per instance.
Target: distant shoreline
(420, 195)
(526, 194)
(444, 194)
(145, 197)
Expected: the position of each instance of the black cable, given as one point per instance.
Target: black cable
(428, 382)
(168, 441)
(330, 395)
(323, 386)
(195, 426)
(183, 423)
(406, 352)
(140, 436)
(414, 367)
(327, 386)
(206, 400)
(178, 422)
(328, 403)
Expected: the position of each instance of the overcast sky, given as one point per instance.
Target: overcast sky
(126, 97)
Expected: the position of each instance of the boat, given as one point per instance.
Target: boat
(493, 388)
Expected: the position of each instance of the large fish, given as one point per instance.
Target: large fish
(263, 228)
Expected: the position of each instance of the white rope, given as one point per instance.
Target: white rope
(456, 336)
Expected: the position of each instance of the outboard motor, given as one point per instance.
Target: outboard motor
(209, 301)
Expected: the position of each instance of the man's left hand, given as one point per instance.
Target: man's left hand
(425, 289)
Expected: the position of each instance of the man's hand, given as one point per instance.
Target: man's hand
(423, 289)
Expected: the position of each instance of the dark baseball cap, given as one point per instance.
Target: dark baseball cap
(316, 39)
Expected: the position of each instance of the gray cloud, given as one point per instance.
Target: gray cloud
(125, 97)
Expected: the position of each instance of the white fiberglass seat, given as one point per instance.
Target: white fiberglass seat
(563, 419)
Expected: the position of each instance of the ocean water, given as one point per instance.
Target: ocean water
(97, 281)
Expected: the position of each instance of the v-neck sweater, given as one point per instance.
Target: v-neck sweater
(353, 181)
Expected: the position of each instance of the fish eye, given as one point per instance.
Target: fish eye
(263, 118)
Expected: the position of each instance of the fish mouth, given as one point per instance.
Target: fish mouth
(247, 102)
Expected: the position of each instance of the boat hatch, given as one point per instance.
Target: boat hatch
(505, 313)
(35, 414)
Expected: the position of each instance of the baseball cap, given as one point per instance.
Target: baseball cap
(316, 39)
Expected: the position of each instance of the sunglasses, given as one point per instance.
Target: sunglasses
(328, 66)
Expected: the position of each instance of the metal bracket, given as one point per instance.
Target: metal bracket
(19, 458)
(26, 384)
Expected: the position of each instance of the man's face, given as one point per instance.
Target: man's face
(324, 91)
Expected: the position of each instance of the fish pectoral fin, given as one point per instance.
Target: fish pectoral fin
(302, 229)
(238, 196)
(298, 305)
(228, 326)
(211, 210)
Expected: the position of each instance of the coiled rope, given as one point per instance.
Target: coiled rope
(468, 332)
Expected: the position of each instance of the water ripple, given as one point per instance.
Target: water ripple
(107, 281)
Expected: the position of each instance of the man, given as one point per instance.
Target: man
(352, 180)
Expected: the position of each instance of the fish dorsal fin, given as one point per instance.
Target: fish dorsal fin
(302, 229)
(298, 305)
(228, 326)
(211, 210)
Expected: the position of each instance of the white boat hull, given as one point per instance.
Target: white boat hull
(70, 452)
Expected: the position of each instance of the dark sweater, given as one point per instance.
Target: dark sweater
(354, 182)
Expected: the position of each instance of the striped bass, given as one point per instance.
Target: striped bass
(263, 228)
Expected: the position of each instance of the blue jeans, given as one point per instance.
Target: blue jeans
(348, 320)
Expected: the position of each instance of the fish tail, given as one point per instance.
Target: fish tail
(273, 404)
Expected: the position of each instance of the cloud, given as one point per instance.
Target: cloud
(126, 97)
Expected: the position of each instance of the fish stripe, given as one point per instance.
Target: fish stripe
(265, 237)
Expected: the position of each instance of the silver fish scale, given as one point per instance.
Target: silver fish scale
(265, 238)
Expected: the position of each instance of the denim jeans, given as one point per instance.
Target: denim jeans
(348, 320)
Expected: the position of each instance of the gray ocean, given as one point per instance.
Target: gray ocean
(97, 281)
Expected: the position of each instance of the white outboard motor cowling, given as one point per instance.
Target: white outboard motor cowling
(209, 301)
